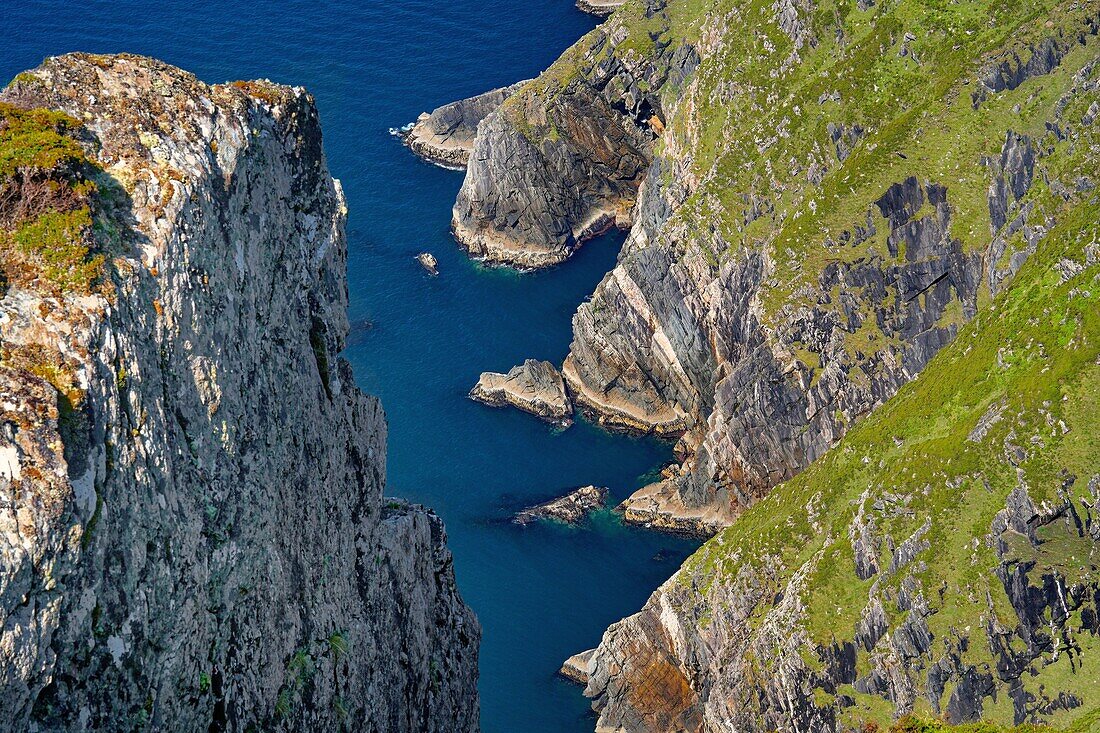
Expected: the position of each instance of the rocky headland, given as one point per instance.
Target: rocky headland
(533, 386)
(445, 136)
(194, 534)
(561, 160)
(569, 509)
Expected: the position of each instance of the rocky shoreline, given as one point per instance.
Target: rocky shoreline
(575, 669)
(659, 506)
(599, 7)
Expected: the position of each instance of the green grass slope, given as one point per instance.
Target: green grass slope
(1032, 357)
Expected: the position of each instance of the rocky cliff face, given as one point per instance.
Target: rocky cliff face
(943, 559)
(194, 534)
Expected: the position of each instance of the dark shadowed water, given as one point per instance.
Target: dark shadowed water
(542, 593)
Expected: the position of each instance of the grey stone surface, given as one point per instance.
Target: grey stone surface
(533, 386)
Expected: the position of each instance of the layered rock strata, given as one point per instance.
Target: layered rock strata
(446, 135)
(533, 386)
(194, 535)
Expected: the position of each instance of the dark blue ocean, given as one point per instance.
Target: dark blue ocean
(542, 593)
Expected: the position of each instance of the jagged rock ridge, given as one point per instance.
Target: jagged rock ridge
(194, 530)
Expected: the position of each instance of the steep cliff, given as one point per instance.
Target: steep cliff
(194, 534)
(829, 194)
(944, 558)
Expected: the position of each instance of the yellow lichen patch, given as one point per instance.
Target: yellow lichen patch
(263, 90)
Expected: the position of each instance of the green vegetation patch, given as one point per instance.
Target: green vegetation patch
(47, 229)
(37, 138)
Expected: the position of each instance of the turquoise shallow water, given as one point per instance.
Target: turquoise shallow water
(542, 593)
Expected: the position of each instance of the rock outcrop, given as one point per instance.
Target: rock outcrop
(193, 534)
(569, 509)
(575, 668)
(533, 386)
(445, 136)
(562, 159)
(599, 7)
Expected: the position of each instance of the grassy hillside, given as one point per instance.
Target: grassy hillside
(1028, 366)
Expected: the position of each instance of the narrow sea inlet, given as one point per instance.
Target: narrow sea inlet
(419, 342)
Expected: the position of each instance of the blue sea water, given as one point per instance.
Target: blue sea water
(542, 593)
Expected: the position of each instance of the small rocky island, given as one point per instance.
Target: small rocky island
(568, 509)
(534, 386)
(428, 261)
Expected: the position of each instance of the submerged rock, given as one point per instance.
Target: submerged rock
(568, 509)
(445, 136)
(428, 261)
(534, 386)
